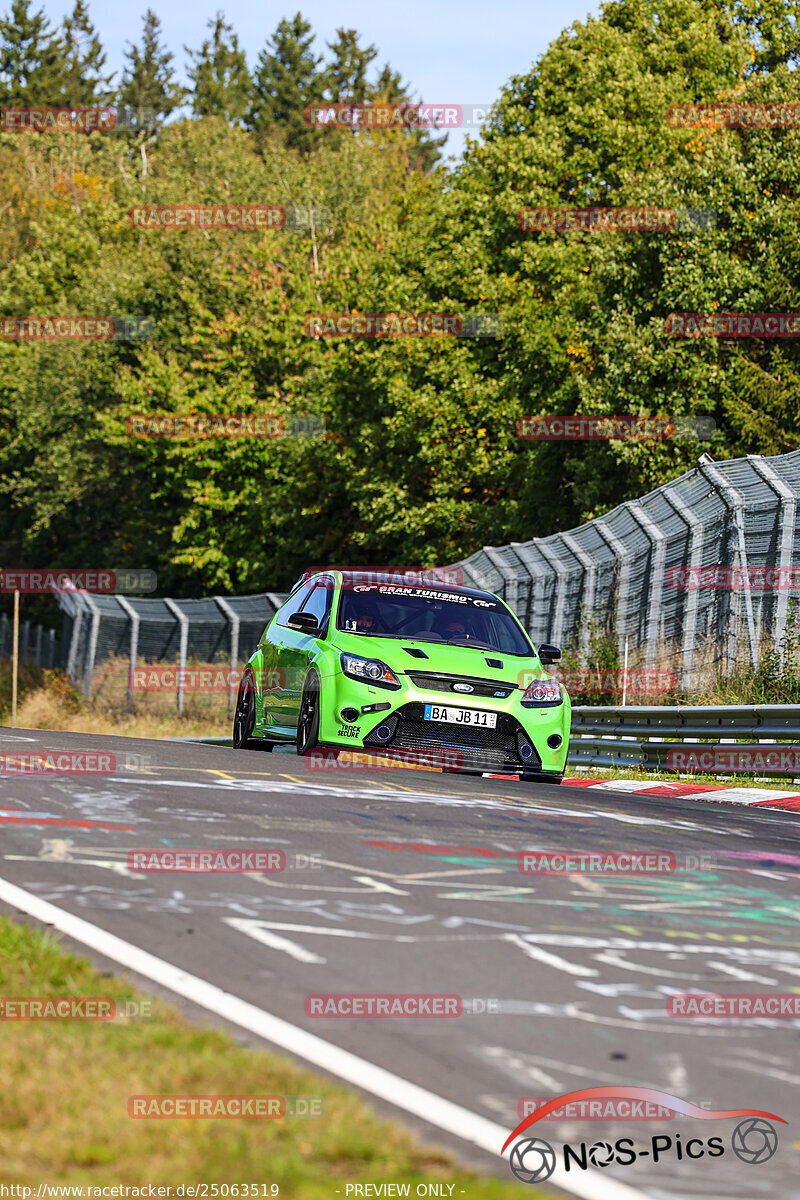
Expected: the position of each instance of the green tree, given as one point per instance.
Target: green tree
(287, 79)
(31, 57)
(148, 80)
(423, 150)
(84, 81)
(219, 74)
(347, 71)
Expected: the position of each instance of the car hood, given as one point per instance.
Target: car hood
(448, 660)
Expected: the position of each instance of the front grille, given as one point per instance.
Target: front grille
(430, 682)
(480, 749)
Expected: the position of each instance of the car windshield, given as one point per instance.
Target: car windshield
(431, 615)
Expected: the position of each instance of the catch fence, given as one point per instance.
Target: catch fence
(698, 576)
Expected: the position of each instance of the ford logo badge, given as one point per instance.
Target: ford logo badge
(463, 687)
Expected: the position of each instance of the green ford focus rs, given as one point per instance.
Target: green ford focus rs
(364, 663)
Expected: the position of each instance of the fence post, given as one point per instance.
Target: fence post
(51, 649)
(623, 558)
(90, 657)
(655, 598)
(734, 502)
(38, 648)
(127, 607)
(25, 641)
(788, 503)
(692, 601)
(75, 636)
(509, 578)
(561, 572)
(184, 624)
(15, 662)
(589, 586)
(536, 574)
(235, 621)
(4, 638)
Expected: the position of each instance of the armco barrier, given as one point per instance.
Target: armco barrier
(642, 736)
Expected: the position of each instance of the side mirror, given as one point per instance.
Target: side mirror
(303, 622)
(549, 654)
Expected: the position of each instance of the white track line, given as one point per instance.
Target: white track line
(437, 1111)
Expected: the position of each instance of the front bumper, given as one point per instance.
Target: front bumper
(518, 744)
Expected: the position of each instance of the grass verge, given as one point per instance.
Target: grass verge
(64, 1087)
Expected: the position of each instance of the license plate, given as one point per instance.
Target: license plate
(461, 716)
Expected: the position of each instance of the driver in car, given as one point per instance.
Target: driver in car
(454, 627)
(364, 621)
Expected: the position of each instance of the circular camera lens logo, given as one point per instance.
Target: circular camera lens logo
(601, 1154)
(533, 1160)
(754, 1140)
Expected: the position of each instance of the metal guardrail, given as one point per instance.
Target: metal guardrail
(642, 736)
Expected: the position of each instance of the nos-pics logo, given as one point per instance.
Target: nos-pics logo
(533, 1160)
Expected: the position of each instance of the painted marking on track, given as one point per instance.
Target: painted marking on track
(548, 959)
(255, 930)
(377, 885)
(345, 933)
(401, 1093)
(33, 819)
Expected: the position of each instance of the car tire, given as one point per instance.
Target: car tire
(244, 718)
(308, 719)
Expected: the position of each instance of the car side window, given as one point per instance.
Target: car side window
(293, 604)
(319, 604)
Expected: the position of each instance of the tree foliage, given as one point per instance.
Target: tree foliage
(420, 462)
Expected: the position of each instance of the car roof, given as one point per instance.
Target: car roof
(393, 578)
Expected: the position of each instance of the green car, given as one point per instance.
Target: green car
(364, 663)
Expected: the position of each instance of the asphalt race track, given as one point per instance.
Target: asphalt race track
(407, 881)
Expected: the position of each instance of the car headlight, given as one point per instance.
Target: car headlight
(369, 670)
(542, 692)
